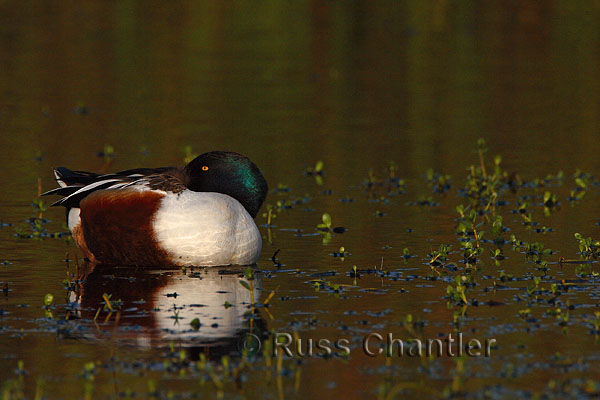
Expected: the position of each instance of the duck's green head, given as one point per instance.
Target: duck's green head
(229, 173)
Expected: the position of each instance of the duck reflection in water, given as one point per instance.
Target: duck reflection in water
(152, 308)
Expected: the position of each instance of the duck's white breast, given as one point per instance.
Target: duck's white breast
(204, 228)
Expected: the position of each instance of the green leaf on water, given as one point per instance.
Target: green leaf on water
(319, 166)
(327, 220)
(48, 299)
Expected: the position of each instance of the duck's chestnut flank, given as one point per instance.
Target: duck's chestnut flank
(201, 214)
(117, 225)
(79, 237)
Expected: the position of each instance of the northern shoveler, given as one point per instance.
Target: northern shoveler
(201, 214)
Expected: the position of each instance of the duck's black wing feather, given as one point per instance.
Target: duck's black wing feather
(76, 185)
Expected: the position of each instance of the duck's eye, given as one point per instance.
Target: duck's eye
(205, 168)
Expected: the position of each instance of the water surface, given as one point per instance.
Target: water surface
(356, 85)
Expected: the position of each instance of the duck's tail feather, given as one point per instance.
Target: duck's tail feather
(66, 177)
(70, 182)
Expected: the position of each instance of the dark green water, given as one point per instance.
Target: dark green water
(356, 85)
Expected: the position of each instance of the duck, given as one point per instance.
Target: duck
(198, 215)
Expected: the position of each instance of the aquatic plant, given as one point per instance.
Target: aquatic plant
(326, 225)
(483, 189)
(533, 287)
(341, 253)
(189, 154)
(270, 215)
(439, 256)
(406, 254)
(497, 255)
(457, 293)
(424, 201)
(48, 300)
(320, 284)
(326, 228)
(108, 152)
(281, 188)
(35, 226)
(467, 221)
(439, 183)
(550, 200)
(111, 305)
(498, 229)
(392, 185)
(471, 252)
(586, 270)
(595, 323)
(588, 247)
(316, 171)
